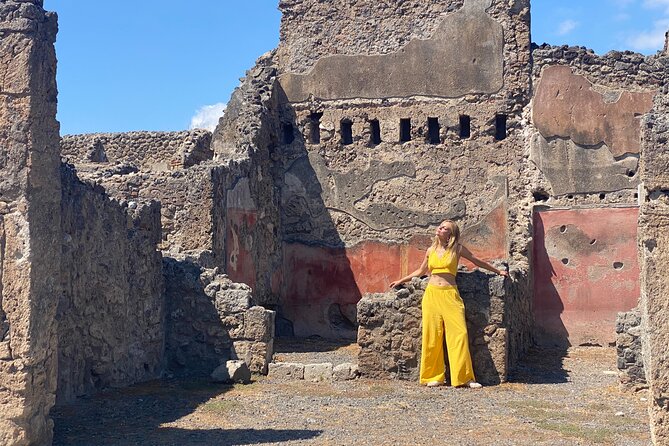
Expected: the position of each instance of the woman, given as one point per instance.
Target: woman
(443, 310)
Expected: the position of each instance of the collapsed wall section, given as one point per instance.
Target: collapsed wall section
(111, 321)
(29, 222)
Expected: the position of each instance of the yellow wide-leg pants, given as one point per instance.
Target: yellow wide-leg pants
(444, 311)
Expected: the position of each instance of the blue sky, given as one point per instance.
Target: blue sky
(128, 65)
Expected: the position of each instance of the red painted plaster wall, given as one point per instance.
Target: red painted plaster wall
(585, 272)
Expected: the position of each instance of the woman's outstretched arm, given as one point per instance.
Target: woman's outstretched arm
(466, 253)
(421, 271)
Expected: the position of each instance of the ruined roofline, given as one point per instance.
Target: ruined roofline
(590, 51)
(137, 133)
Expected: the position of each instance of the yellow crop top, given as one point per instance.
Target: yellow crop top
(444, 264)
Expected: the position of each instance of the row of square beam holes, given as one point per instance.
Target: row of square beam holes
(433, 130)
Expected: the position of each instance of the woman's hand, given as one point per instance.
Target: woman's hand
(395, 283)
(503, 273)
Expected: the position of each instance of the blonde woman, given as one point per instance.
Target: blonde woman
(444, 311)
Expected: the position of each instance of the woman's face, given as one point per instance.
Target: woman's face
(445, 230)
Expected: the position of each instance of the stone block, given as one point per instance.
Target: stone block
(259, 324)
(345, 372)
(232, 372)
(286, 370)
(256, 354)
(5, 351)
(318, 372)
(232, 301)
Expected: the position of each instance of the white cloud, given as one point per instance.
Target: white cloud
(566, 27)
(652, 39)
(207, 116)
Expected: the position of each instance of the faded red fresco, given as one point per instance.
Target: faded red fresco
(315, 278)
(585, 272)
(240, 265)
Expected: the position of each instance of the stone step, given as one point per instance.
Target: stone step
(318, 372)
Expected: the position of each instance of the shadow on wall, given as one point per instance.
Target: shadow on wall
(318, 286)
(211, 319)
(137, 415)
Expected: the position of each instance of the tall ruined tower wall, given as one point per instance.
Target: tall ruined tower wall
(29, 222)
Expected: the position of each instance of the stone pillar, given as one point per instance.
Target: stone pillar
(654, 258)
(666, 43)
(30, 242)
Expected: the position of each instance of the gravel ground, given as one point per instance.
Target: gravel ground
(555, 398)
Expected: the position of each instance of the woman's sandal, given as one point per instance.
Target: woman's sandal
(434, 384)
(473, 385)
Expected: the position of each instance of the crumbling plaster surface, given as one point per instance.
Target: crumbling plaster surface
(602, 166)
(464, 55)
(29, 222)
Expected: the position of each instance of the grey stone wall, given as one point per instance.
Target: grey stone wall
(149, 151)
(389, 331)
(628, 349)
(211, 319)
(29, 222)
(654, 257)
(112, 277)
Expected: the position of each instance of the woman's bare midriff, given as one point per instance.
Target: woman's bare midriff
(442, 279)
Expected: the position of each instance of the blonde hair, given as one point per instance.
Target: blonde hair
(453, 241)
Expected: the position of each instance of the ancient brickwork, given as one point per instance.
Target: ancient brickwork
(29, 222)
(628, 347)
(148, 151)
(112, 277)
(654, 257)
(211, 319)
(390, 329)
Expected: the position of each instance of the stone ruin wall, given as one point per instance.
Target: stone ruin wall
(111, 277)
(152, 151)
(654, 257)
(583, 142)
(390, 329)
(358, 213)
(29, 222)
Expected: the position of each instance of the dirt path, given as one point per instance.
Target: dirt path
(572, 400)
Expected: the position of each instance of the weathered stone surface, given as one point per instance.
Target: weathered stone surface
(111, 275)
(654, 257)
(286, 370)
(345, 372)
(30, 224)
(232, 372)
(568, 106)
(465, 55)
(390, 330)
(318, 372)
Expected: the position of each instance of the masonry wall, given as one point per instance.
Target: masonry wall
(654, 255)
(152, 151)
(375, 157)
(584, 147)
(29, 222)
(390, 329)
(111, 277)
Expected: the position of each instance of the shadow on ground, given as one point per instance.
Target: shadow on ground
(541, 366)
(141, 415)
